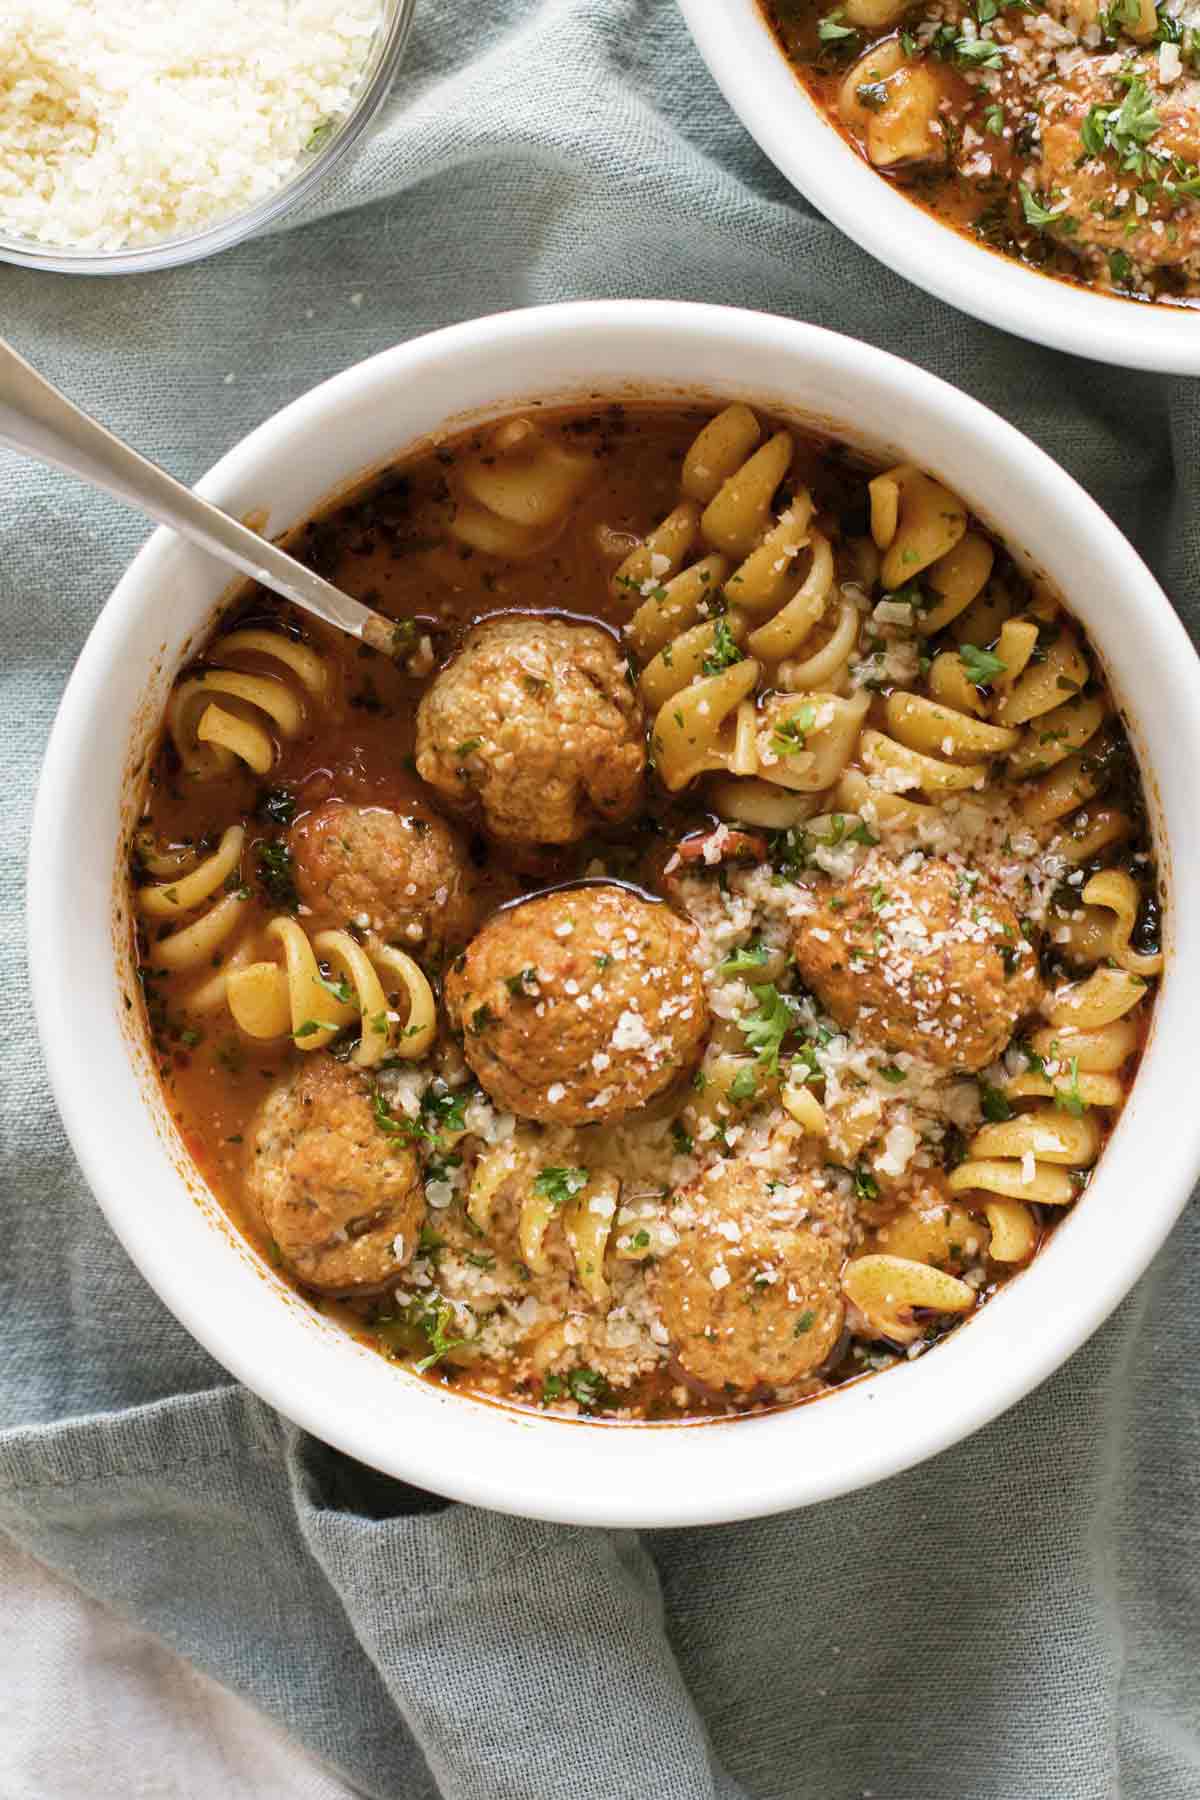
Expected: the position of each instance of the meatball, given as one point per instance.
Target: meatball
(404, 876)
(1098, 198)
(534, 722)
(928, 960)
(579, 1006)
(341, 1199)
(751, 1295)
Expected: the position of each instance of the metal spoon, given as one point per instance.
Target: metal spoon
(36, 419)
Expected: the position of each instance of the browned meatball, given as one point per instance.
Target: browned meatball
(930, 961)
(579, 1006)
(534, 721)
(343, 1201)
(1099, 199)
(404, 876)
(751, 1295)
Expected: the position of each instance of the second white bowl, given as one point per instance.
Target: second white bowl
(750, 68)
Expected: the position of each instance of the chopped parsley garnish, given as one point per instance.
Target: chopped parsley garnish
(436, 1320)
(978, 53)
(588, 1388)
(404, 637)
(275, 806)
(791, 734)
(392, 1124)
(640, 1240)
(524, 983)
(872, 94)
(804, 1323)
(339, 988)
(724, 652)
(1126, 130)
(310, 1027)
(981, 666)
(830, 30)
(276, 876)
(1069, 1098)
(444, 1110)
(993, 1103)
(559, 1185)
(682, 1139)
(440, 1110)
(765, 1029)
(467, 746)
(894, 1073)
(865, 1185)
(1119, 265)
(751, 956)
(744, 1085)
(993, 121)
(1036, 212)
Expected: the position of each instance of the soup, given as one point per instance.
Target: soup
(700, 966)
(1065, 135)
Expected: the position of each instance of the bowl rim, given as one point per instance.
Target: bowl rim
(462, 1454)
(379, 72)
(751, 70)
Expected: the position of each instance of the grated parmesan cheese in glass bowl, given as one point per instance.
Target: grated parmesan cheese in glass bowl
(154, 133)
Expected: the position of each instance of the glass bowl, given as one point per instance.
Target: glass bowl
(375, 82)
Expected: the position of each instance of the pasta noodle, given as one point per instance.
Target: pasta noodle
(708, 632)
(516, 491)
(200, 944)
(297, 1000)
(216, 715)
(592, 1228)
(889, 1290)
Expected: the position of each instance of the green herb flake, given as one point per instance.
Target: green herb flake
(1069, 1098)
(559, 1185)
(744, 961)
(724, 652)
(993, 1103)
(981, 666)
(765, 1029)
(744, 1086)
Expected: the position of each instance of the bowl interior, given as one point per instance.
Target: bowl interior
(537, 1464)
(755, 77)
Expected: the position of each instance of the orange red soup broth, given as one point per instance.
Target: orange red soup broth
(1066, 135)
(700, 966)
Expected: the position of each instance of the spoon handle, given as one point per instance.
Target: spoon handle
(41, 422)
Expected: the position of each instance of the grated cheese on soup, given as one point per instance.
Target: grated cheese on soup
(120, 125)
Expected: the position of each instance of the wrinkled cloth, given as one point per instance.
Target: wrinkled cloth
(1020, 1617)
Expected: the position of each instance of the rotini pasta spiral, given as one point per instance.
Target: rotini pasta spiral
(297, 999)
(583, 1203)
(1040, 1155)
(216, 714)
(211, 888)
(708, 632)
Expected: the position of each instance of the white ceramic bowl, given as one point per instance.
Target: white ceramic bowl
(542, 1465)
(755, 77)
